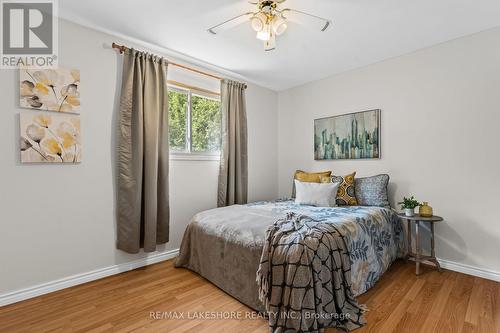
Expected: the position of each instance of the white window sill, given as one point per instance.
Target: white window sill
(193, 157)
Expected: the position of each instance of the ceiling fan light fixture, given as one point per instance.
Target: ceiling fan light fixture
(269, 21)
(279, 25)
(258, 22)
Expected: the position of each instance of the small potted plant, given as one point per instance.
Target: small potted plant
(409, 205)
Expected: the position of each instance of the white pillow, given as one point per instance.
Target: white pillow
(316, 194)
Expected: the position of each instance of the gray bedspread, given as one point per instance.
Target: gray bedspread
(224, 245)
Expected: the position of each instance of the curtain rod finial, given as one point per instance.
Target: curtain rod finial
(119, 47)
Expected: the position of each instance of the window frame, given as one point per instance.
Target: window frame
(189, 154)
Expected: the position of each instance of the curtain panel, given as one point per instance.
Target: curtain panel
(233, 170)
(143, 154)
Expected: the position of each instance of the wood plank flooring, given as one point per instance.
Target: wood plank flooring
(139, 300)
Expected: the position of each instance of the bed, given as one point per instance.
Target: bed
(224, 245)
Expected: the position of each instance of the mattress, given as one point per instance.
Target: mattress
(224, 245)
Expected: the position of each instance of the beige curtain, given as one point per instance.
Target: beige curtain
(233, 172)
(142, 198)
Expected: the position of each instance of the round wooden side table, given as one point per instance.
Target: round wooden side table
(417, 255)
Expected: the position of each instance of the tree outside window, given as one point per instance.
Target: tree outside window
(194, 122)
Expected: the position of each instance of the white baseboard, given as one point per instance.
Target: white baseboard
(45, 288)
(70, 281)
(470, 270)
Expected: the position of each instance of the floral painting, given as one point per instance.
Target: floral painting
(50, 89)
(50, 138)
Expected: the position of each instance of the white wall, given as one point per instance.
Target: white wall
(59, 220)
(440, 134)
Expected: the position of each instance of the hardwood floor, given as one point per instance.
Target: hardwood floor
(399, 302)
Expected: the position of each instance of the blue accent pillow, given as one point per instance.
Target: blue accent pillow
(372, 191)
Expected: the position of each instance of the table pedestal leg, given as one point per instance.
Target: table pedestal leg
(408, 245)
(417, 247)
(433, 252)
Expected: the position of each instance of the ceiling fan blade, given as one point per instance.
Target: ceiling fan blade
(317, 22)
(231, 23)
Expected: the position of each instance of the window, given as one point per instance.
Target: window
(194, 123)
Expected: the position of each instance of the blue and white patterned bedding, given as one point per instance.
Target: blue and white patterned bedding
(375, 236)
(224, 245)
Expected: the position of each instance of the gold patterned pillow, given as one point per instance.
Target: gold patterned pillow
(346, 195)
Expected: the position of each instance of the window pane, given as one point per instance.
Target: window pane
(205, 124)
(177, 108)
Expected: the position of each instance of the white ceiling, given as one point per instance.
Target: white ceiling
(363, 32)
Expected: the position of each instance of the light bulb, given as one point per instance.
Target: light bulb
(258, 21)
(264, 34)
(279, 26)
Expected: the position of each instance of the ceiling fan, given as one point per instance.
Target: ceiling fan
(268, 21)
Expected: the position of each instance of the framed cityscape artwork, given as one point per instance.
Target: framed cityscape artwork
(348, 136)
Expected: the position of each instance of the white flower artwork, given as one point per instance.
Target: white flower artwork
(50, 89)
(50, 138)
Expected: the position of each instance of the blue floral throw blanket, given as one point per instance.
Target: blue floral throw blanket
(304, 276)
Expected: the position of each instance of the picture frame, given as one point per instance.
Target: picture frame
(348, 136)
